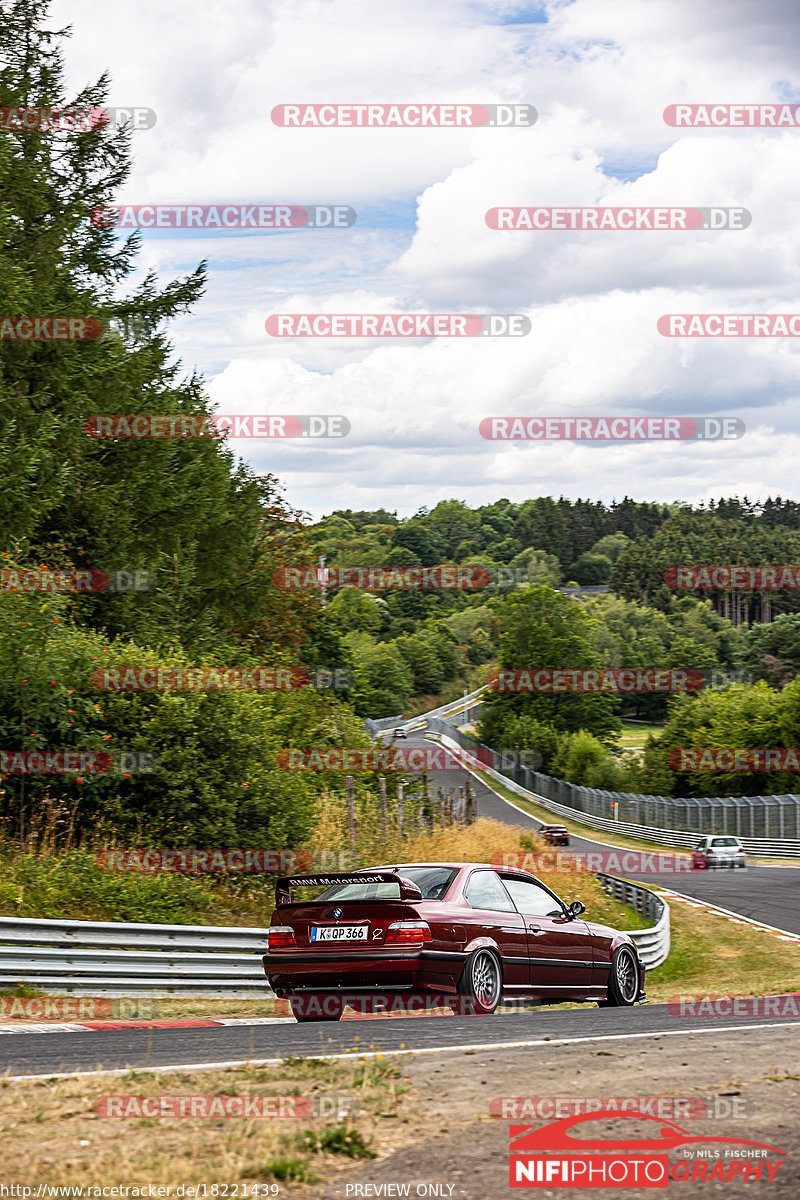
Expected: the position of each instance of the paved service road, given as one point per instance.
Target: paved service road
(768, 894)
(53, 1053)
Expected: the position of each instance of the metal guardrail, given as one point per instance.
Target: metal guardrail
(121, 959)
(653, 944)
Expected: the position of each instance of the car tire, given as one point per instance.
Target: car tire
(317, 1013)
(482, 981)
(623, 980)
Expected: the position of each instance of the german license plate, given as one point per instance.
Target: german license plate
(339, 933)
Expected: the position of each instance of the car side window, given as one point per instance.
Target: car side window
(532, 900)
(484, 890)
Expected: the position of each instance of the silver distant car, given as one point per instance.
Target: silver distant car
(719, 851)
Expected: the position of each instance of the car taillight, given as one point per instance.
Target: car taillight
(709, 850)
(408, 933)
(740, 850)
(281, 937)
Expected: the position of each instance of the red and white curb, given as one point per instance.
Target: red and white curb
(783, 935)
(100, 1026)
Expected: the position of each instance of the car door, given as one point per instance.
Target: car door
(559, 945)
(489, 912)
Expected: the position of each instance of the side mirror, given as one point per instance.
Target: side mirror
(576, 908)
(409, 890)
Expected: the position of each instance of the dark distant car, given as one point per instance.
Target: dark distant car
(400, 733)
(464, 929)
(555, 835)
(719, 852)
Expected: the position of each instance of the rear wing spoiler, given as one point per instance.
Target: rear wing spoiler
(283, 886)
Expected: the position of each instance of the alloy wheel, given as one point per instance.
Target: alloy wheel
(486, 979)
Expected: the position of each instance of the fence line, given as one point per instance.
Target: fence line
(666, 820)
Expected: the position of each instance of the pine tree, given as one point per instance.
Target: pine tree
(210, 530)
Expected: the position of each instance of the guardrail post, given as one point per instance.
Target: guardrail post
(472, 806)
(401, 812)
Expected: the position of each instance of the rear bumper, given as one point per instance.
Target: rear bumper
(359, 971)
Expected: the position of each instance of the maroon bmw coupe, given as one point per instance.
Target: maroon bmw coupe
(465, 929)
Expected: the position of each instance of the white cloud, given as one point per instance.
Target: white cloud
(600, 76)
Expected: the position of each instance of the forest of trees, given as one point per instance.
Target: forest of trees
(212, 535)
(209, 531)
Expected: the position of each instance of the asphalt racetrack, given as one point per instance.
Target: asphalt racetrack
(48, 1054)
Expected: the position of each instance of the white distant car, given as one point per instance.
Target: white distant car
(400, 733)
(719, 852)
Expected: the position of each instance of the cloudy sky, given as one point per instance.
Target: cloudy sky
(599, 73)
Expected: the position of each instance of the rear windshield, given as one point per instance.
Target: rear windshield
(724, 841)
(433, 882)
